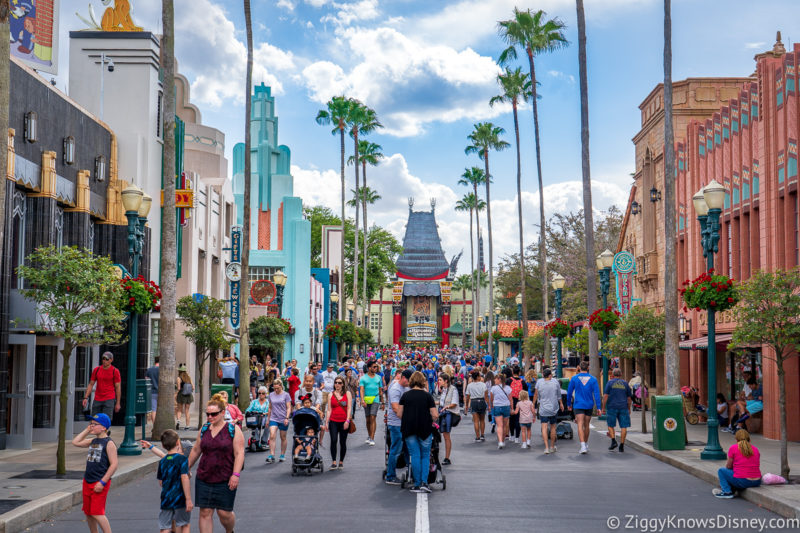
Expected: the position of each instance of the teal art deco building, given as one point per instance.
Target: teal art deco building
(280, 238)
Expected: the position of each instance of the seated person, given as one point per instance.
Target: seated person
(722, 411)
(740, 414)
(306, 443)
(306, 400)
(755, 401)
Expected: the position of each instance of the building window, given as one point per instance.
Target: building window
(44, 386)
(796, 230)
(83, 367)
(374, 321)
(17, 236)
(155, 337)
(466, 320)
(730, 251)
(260, 273)
(159, 118)
(58, 225)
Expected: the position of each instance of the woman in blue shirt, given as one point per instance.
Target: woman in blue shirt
(430, 375)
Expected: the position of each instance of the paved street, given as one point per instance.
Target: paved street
(486, 489)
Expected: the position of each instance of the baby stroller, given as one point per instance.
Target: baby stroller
(303, 420)
(256, 422)
(402, 463)
(436, 474)
(564, 419)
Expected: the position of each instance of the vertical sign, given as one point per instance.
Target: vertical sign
(397, 292)
(624, 268)
(236, 255)
(445, 287)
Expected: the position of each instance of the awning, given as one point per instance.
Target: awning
(701, 343)
(457, 329)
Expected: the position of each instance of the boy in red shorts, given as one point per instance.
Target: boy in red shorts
(101, 463)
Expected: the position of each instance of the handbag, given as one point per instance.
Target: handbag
(352, 427)
(455, 418)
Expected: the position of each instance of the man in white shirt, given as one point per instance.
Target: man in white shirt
(328, 377)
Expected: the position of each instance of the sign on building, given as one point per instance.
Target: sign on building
(421, 331)
(397, 291)
(34, 33)
(624, 269)
(235, 286)
(445, 287)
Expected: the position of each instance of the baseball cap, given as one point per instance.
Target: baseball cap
(407, 373)
(330, 365)
(102, 419)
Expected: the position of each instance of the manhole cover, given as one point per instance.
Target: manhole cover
(49, 474)
(8, 505)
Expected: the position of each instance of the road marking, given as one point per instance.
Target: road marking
(422, 524)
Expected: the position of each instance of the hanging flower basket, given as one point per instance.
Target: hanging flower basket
(517, 333)
(333, 331)
(289, 327)
(558, 328)
(715, 292)
(139, 295)
(604, 320)
(481, 337)
(496, 335)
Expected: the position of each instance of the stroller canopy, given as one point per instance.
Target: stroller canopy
(305, 418)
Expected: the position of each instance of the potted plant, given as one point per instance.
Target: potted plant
(604, 320)
(558, 328)
(139, 295)
(715, 292)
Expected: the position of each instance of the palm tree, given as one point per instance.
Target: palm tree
(534, 34)
(369, 153)
(244, 326)
(517, 86)
(165, 411)
(588, 222)
(462, 283)
(472, 177)
(472, 203)
(672, 340)
(486, 137)
(337, 112)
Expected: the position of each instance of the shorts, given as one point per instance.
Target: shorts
(613, 415)
(154, 402)
(372, 408)
(478, 406)
(552, 420)
(104, 406)
(213, 495)
(445, 422)
(94, 503)
(526, 425)
(184, 399)
(587, 412)
(182, 517)
(282, 427)
(504, 411)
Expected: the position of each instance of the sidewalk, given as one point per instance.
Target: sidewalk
(30, 492)
(781, 499)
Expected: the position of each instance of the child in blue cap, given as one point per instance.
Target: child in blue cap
(101, 463)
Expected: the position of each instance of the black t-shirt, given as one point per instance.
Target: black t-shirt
(417, 420)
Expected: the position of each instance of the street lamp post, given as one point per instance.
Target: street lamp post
(558, 284)
(604, 262)
(496, 326)
(279, 279)
(708, 204)
(350, 309)
(334, 314)
(518, 299)
(137, 206)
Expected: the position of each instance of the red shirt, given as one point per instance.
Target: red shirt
(338, 408)
(294, 385)
(106, 378)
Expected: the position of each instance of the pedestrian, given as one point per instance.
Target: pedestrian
(417, 413)
(500, 403)
(743, 469)
(587, 397)
(547, 392)
(338, 417)
(185, 396)
(616, 405)
(371, 399)
(220, 449)
(152, 375)
(229, 368)
(294, 382)
(516, 387)
(232, 412)
(448, 409)
(524, 413)
(327, 385)
(394, 394)
(260, 405)
(107, 395)
(476, 400)
(722, 411)
(430, 376)
(351, 384)
(308, 388)
(101, 463)
(280, 411)
(176, 494)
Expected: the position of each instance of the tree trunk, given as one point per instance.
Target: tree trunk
(523, 292)
(542, 241)
(464, 307)
(588, 219)
(63, 405)
(340, 288)
(672, 363)
(472, 281)
(200, 380)
(355, 248)
(476, 274)
(5, 84)
(244, 326)
(490, 309)
(644, 398)
(380, 317)
(165, 412)
(364, 254)
(782, 414)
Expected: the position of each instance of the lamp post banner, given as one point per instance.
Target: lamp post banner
(235, 286)
(624, 268)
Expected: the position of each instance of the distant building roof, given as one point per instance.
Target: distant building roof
(422, 258)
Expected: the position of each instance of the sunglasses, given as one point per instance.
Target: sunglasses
(214, 413)
(262, 393)
(106, 359)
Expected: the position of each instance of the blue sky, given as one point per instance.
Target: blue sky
(428, 70)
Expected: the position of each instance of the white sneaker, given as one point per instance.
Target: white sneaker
(524, 445)
(367, 441)
(547, 452)
(371, 442)
(584, 448)
(501, 445)
(554, 449)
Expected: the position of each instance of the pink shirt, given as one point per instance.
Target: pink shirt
(525, 412)
(745, 467)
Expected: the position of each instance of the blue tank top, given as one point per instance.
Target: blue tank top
(97, 460)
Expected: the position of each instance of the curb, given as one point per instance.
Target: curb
(41, 509)
(785, 507)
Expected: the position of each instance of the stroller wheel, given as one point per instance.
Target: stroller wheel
(692, 418)
(444, 482)
(253, 446)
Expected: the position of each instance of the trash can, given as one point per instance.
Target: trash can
(227, 387)
(564, 383)
(144, 393)
(669, 432)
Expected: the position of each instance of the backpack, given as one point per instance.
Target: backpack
(186, 388)
(516, 387)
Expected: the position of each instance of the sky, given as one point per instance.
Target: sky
(429, 70)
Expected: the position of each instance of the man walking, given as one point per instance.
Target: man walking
(397, 388)
(586, 397)
(371, 399)
(108, 394)
(616, 404)
(328, 377)
(152, 375)
(548, 392)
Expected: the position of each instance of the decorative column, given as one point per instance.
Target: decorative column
(397, 323)
(445, 324)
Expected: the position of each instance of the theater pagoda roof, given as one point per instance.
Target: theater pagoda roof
(422, 257)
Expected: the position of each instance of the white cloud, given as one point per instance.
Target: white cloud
(317, 3)
(353, 11)
(557, 74)
(288, 5)
(755, 46)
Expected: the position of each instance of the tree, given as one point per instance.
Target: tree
(244, 332)
(672, 364)
(268, 335)
(768, 313)
(578, 342)
(591, 274)
(472, 177)
(346, 334)
(462, 283)
(205, 327)
(364, 196)
(165, 411)
(486, 137)
(78, 296)
(517, 87)
(531, 32)
(336, 112)
(639, 336)
(536, 345)
(507, 286)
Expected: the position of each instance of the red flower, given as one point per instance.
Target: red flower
(730, 300)
(712, 303)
